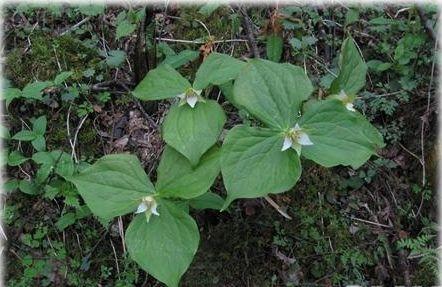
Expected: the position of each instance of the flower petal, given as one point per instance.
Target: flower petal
(198, 92)
(296, 128)
(141, 208)
(154, 210)
(304, 139)
(181, 96)
(286, 144)
(350, 107)
(192, 101)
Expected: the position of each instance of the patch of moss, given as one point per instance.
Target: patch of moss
(41, 61)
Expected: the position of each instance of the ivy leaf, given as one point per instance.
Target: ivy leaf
(161, 83)
(177, 178)
(351, 78)
(217, 69)
(272, 92)
(125, 28)
(16, 158)
(113, 186)
(10, 94)
(184, 57)
(192, 131)
(253, 165)
(39, 125)
(208, 200)
(34, 90)
(25, 135)
(274, 46)
(339, 136)
(39, 143)
(165, 246)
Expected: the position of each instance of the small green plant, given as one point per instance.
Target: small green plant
(254, 160)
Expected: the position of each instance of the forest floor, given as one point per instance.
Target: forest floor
(371, 226)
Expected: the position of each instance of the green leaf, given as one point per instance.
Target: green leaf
(125, 28)
(217, 69)
(65, 221)
(28, 187)
(115, 58)
(184, 57)
(10, 185)
(166, 245)
(92, 9)
(10, 94)
(114, 185)
(352, 72)
(253, 165)
(61, 161)
(63, 76)
(208, 200)
(351, 16)
(274, 46)
(16, 158)
(161, 83)
(192, 131)
(339, 136)
(208, 8)
(39, 125)
(34, 90)
(25, 135)
(378, 66)
(177, 178)
(39, 143)
(272, 92)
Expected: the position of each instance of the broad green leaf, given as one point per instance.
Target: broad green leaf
(61, 161)
(192, 131)
(16, 158)
(166, 245)
(272, 92)
(10, 185)
(339, 136)
(114, 185)
(34, 90)
(184, 57)
(208, 200)
(351, 16)
(25, 135)
(115, 58)
(161, 83)
(65, 221)
(217, 69)
(39, 125)
(39, 143)
(63, 76)
(125, 28)
(177, 178)
(10, 94)
(253, 164)
(28, 187)
(352, 72)
(274, 44)
(378, 66)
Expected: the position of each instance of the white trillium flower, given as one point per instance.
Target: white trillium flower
(149, 206)
(190, 97)
(344, 98)
(296, 138)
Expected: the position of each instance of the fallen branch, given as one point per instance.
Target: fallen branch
(277, 207)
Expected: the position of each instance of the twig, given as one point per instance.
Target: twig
(370, 222)
(426, 23)
(76, 134)
(116, 258)
(249, 30)
(76, 26)
(277, 207)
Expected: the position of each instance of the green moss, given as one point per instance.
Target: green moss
(44, 56)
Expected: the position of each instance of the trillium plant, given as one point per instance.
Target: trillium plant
(254, 160)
